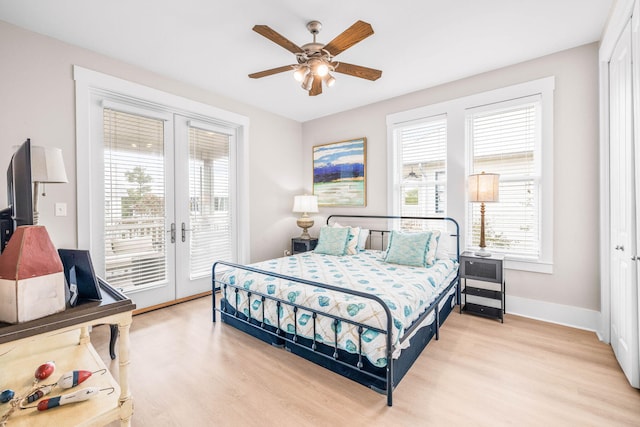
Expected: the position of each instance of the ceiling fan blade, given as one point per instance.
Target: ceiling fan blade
(357, 71)
(277, 38)
(316, 88)
(352, 35)
(266, 73)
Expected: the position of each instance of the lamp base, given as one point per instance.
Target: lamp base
(483, 253)
(305, 223)
(305, 235)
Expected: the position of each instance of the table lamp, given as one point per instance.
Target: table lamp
(47, 166)
(483, 188)
(305, 204)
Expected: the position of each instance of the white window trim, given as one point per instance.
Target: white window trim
(457, 163)
(90, 83)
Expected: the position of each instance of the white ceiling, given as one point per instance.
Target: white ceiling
(417, 43)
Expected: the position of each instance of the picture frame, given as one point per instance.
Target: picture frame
(340, 173)
(80, 275)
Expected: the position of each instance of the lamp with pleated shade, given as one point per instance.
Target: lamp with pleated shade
(483, 188)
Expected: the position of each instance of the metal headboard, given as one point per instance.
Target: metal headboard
(381, 225)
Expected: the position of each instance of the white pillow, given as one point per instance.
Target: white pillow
(352, 244)
(362, 239)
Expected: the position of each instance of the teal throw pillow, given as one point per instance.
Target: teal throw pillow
(332, 241)
(408, 248)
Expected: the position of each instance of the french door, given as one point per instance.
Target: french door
(205, 208)
(168, 203)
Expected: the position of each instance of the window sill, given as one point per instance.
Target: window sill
(528, 265)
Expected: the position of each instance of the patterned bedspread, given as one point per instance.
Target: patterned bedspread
(407, 291)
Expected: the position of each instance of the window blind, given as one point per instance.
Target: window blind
(134, 189)
(209, 210)
(422, 154)
(506, 140)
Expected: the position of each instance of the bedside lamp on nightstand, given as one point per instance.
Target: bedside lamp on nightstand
(305, 204)
(483, 187)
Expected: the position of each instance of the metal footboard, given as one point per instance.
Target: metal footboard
(226, 287)
(256, 321)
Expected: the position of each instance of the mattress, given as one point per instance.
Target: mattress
(407, 291)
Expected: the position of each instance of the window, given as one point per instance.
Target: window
(509, 131)
(504, 138)
(422, 150)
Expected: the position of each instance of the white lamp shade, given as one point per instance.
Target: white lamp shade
(306, 203)
(47, 165)
(484, 187)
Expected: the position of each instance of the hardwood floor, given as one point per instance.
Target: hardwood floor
(188, 371)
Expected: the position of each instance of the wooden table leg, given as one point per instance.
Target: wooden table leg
(126, 402)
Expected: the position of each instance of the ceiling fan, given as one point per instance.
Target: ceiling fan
(316, 60)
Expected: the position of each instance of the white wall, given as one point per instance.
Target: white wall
(574, 285)
(37, 100)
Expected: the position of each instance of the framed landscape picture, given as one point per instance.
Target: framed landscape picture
(339, 173)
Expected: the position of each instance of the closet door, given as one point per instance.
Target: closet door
(624, 298)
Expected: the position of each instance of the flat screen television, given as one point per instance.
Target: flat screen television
(19, 194)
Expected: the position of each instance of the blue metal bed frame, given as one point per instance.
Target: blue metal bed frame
(352, 366)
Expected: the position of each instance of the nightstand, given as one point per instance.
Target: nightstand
(299, 245)
(480, 297)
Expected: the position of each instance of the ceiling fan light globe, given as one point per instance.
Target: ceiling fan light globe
(307, 82)
(322, 69)
(299, 74)
(330, 80)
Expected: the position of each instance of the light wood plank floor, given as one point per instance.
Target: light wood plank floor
(188, 371)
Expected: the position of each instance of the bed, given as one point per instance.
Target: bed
(363, 314)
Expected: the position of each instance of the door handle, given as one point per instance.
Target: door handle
(173, 232)
(184, 231)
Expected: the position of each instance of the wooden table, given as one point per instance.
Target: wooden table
(64, 338)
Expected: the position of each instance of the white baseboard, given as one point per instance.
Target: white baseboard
(566, 315)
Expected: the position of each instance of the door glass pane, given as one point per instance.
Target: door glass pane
(209, 202)
(134, 189)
